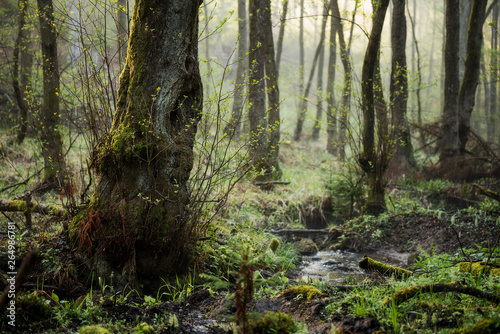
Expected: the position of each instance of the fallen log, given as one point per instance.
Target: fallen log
(407, 293)
(488, 192)
(18, 205)
(371, 265)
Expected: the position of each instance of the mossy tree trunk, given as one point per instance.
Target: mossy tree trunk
(331, 113)
(122, 30)
(136, 221)
(23, 62)
(50, 135)
(273, 95)
(373, 164)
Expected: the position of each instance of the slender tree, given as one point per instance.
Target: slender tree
(331, 113)
(281, 36)
(122, 30)
(319, 83)
(233, 128)
(402, 160)
(23, 62)
(449, 141)
(372, 164)
(304, 98)
(273, 95)
(49, 117)
(491, 109)
(346, 91)
(467, 94)
(137, 223)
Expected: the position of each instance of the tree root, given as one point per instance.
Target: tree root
(407, 293)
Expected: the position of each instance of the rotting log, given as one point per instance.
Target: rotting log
(371, 265)
(488, 192)
(407, 293)
(475, 268)
(305, 233)
(32, 206)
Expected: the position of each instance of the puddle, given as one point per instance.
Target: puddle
(339, 266)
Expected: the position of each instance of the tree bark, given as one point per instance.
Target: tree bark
(402, 160)
(467, 94)
(50, 135)
(331, 113)
(345, 57)
(257, 89)
(273, 96)
(138, 222)
(233, 128)
(491, 109)
(122, 30)
(373, 166)
(449, 141)
(301, 71)
(22, 62)
(319, 83)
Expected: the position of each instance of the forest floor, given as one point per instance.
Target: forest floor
(438, 223)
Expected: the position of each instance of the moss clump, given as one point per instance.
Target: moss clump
(477, 267)
(306, 247)
(274, 322)
(144, 328)
(307, 291)
(94, 330)
(384, 269)
(491, 325)
(274, 245)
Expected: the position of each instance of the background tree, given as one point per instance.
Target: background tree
(373, 164)
(49, 132)
(281, 36)
(122, 29)
(134, 225)
(402, 160)
(22, 68)
(233, 127)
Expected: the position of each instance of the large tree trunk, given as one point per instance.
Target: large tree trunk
(23, 62)
(467, 94)
(273, 95)
(449, 141)
(233, 128)
(372, 165)
(345, 57)
(137, 221)
(319, 82)
(53, 173)
(402, 160)
(465, 11)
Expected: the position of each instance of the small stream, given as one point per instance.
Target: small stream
(339, 266)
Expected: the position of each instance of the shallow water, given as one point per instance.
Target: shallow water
(341, 266)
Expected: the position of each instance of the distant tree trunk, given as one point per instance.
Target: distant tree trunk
(233, 128)
(303, 108)
(301, 71)
(257, 88)
(492, 98)
(319, 84)
(465, 11)
(23, 62)
(419, 74)
(273, 95)
(449, 141)
(137, 224)
(467, 94)
(50, 135)
(331, 114)
(402, 160)
(372, 164)
(281, 36)
(346, 91)
(431, 62)
(122, 29)
(486, 86)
